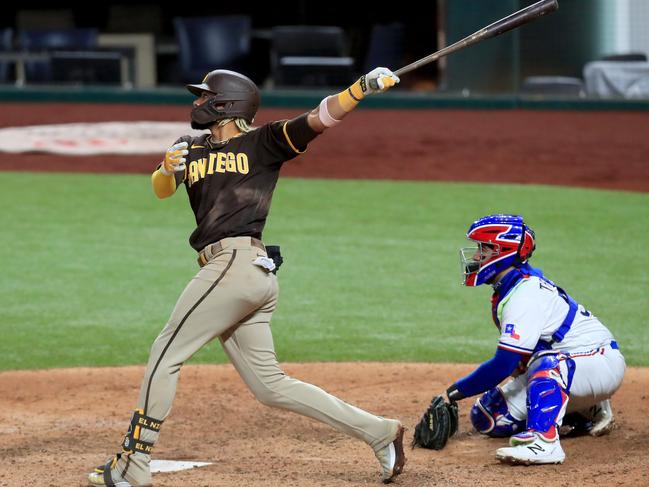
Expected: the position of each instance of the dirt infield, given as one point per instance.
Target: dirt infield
(57, 424)
(588, 149)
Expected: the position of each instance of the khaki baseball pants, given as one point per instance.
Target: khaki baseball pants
(233, 299)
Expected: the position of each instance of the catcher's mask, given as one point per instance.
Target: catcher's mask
(501, 241)
(234, 96)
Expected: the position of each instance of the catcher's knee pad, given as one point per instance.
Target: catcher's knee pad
(548, 385)
(490, 416)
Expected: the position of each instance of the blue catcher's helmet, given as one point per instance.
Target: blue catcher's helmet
(502, 241)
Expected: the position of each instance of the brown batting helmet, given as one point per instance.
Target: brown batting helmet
(235, 96)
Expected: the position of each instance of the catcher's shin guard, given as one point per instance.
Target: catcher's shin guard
(490, 416)
(547, 393)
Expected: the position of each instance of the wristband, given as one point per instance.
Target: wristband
(163, 170)
(454, 394)
(324, 115)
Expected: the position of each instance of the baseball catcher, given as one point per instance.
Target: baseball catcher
(229, 174)
(561, 357)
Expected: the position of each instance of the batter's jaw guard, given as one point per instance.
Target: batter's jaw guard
(490, 416)
(234, 96)
(502, 241)
(132, 442)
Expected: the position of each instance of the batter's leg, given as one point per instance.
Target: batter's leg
(250, 348)
(223, 293)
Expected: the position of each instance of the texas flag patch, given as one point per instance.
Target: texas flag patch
(510, 329)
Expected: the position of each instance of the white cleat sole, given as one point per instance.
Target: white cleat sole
(97, 480)
(513, 460)
(601, 430)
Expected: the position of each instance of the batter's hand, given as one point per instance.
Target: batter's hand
(378, 80)
(174, 160)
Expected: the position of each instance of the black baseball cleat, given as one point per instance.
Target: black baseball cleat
(392, 457)
(105, 475)
(123, 470)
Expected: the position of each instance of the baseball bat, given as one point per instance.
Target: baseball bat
(523, 16)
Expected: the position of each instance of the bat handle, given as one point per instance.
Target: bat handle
(400, 71)
(406, 69)
(421, 62)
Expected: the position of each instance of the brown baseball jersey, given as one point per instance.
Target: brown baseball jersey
(230, 186)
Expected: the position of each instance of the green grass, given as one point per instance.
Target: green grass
(93, 264)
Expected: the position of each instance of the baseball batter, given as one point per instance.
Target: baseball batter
(229, 175)
(563, 358)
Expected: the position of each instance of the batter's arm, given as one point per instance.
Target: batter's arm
(334, 108)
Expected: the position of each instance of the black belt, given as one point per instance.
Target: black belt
(209, 252)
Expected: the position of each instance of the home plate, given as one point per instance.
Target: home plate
(158, 466)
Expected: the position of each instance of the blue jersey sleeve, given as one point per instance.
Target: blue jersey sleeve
(490, 374)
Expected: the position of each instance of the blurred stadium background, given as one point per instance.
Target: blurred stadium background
(93, 263)
(148, 45)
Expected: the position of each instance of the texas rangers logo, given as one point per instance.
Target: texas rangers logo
(510, 329)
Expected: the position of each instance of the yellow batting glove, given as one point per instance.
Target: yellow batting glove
(174, 160)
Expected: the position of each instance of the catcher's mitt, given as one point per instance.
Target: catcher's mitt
(437, 425)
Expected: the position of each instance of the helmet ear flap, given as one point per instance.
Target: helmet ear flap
(527, 245)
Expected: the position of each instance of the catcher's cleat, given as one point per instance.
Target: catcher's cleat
(537, 452)
(392, 457)
(528, 437)
(107, 476)
(524, 438)
(601, 415)
(597, 420)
